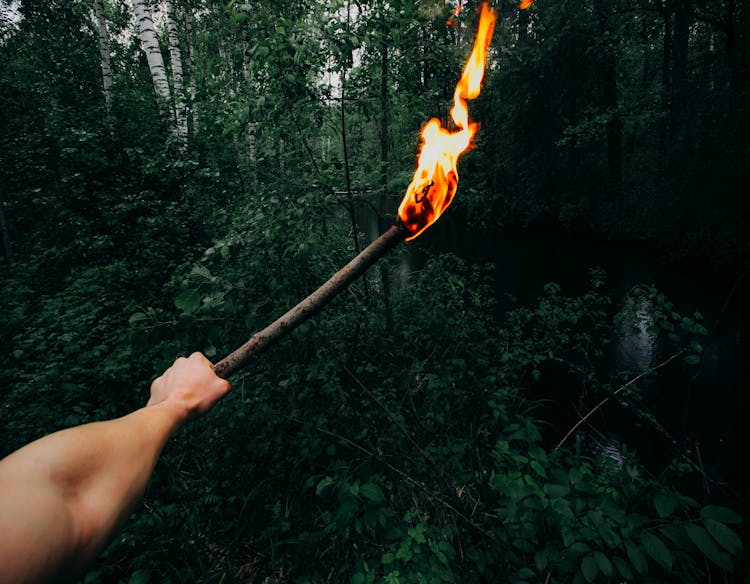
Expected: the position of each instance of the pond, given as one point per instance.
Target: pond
(699, 410)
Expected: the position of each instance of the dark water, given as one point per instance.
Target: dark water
(701, 410)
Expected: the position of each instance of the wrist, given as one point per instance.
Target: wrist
(173, 413)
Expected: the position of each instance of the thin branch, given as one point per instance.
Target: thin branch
(408, 478)
(613, 394)
(393, 418)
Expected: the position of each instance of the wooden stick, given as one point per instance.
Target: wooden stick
(313, 304)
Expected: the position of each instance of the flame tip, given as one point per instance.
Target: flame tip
(435, 180)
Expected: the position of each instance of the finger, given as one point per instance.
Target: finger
(199, 357)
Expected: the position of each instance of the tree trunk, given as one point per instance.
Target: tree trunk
(6, 236)
(192, 87)
(175, 55)
(678, 116)
(345, 148)
(104, 52)
(384, 156)
(150, 46)
(347, 172)
(666, 76)
(608, 78)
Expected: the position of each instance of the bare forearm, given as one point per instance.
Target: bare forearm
(62, 497)
(88, 477)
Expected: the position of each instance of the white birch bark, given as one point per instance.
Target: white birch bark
(150, 46)
(192, 88)
(104, 52)
(175, 55)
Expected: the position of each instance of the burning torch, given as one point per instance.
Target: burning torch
(430, 193)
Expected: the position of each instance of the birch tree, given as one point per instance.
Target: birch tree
(175, 55)
(150, 46)
(104, 52)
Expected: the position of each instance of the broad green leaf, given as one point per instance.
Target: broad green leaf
(388, 558)
(188, 300)
(720, 514)
(604, 564)
(201, 271)
(525, 573)
(589, 568)
(540, 560)
(372, 492)
(540, 470)
(727, 538)
(137, 317)
(447, 549)
(691, 359)
(557, 491)
(579, 547)
(657, 550)
(665, 505)
(707, 546)
(636, 557)
(623, 567)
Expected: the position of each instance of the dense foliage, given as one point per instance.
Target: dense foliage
(402, 435)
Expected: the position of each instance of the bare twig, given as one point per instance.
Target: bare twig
(407, 477)
(613, 394)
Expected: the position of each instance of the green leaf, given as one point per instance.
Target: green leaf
(388, 558)
(657, 550)
(579, 547)
(525, 573)
(707, 546)
(604, 564)
(540, 560)
(188, 300)
(557, 491)
(665, 505)
(239, 17)
(720, 514)
(137, 317)
(372, 492)
(447, 549)
(623, 567)
(636, 557)
(140, 577)
(727, 538)
(691, 359)
(324, 482)
(540, 470)
(589, 568)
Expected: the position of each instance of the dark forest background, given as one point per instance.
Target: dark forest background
(409, 433)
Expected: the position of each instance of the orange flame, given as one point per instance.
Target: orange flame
(525, 4)
(436, 179)
(451, 21)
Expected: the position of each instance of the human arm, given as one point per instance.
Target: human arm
(64, 495)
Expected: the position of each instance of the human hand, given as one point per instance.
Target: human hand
(189, 385)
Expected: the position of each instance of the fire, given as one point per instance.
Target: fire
(525, 4)
(452, 20)
(436, 179)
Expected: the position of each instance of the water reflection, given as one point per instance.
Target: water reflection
(635, 344)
